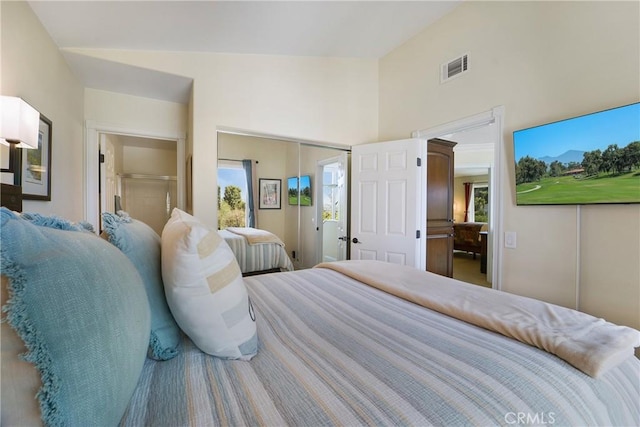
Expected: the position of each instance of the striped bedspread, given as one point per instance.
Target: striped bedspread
(334, 351)
(263, 256)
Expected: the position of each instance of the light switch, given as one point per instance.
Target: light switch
(510, 239)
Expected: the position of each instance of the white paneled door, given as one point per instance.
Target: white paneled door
(388, 220)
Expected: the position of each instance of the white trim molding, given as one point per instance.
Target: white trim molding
(257, 134)
(474, 147)
(461, 125)
(93, 130)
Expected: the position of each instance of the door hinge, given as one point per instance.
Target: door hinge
(419, 161)
(417, 234)
(100, 157)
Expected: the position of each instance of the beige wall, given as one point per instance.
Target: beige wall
(33, 69)
(149, 116)
(321, 99)
(458, 193)
(543, 61)
(157, 160)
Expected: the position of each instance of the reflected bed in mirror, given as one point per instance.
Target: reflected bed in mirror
(257, 251)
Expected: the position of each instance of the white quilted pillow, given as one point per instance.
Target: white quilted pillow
(204, 289)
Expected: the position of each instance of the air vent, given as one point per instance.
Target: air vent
(454, 68)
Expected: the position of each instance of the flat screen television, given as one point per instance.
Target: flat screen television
(590, 159)
(299, 187)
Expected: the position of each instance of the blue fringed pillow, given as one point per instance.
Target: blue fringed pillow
(141, 245)
(80, 307)
(55, 222)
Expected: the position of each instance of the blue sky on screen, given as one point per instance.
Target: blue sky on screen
(292, 183)
(232, 176)
(305, 181)
(619, 126)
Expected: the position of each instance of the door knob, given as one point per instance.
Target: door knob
(355, 240)
(344, 238)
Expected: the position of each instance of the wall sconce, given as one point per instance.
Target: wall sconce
(19, 123)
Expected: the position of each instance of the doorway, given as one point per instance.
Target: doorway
(479, 152)
(333, 208)
(139, 176)
(144, 150)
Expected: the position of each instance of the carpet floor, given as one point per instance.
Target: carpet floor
(467, 269)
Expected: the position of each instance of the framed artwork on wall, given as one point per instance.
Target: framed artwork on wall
(36, 165)
(270, 193)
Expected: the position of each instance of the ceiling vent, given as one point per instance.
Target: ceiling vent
(454, 68)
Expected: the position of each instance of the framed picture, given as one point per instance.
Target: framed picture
(270, 193)
(36, 165)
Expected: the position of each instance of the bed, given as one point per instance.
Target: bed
(257, 251)
(335, 350)
(346, 343)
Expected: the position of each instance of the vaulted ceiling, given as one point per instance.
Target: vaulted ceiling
(361, 29)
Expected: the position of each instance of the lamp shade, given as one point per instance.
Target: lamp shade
(19, 122)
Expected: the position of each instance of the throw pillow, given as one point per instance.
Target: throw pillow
(56, 222)
(80, 308)
(205, 290)
(141, 245)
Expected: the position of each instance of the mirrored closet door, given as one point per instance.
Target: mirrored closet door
(308, 210)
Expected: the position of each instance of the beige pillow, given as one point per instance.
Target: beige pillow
(204, 289)
(20, 379)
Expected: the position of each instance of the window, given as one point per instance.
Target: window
(479, 211)
(232, 195)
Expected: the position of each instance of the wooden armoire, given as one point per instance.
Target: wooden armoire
(440, 169)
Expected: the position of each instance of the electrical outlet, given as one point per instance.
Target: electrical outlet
(510, 239)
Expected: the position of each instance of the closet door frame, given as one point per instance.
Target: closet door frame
(93, 130)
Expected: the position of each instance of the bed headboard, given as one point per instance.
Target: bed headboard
(11, 197)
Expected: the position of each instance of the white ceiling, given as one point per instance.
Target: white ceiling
(359, 29)
(464, 171)
(362, 29)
